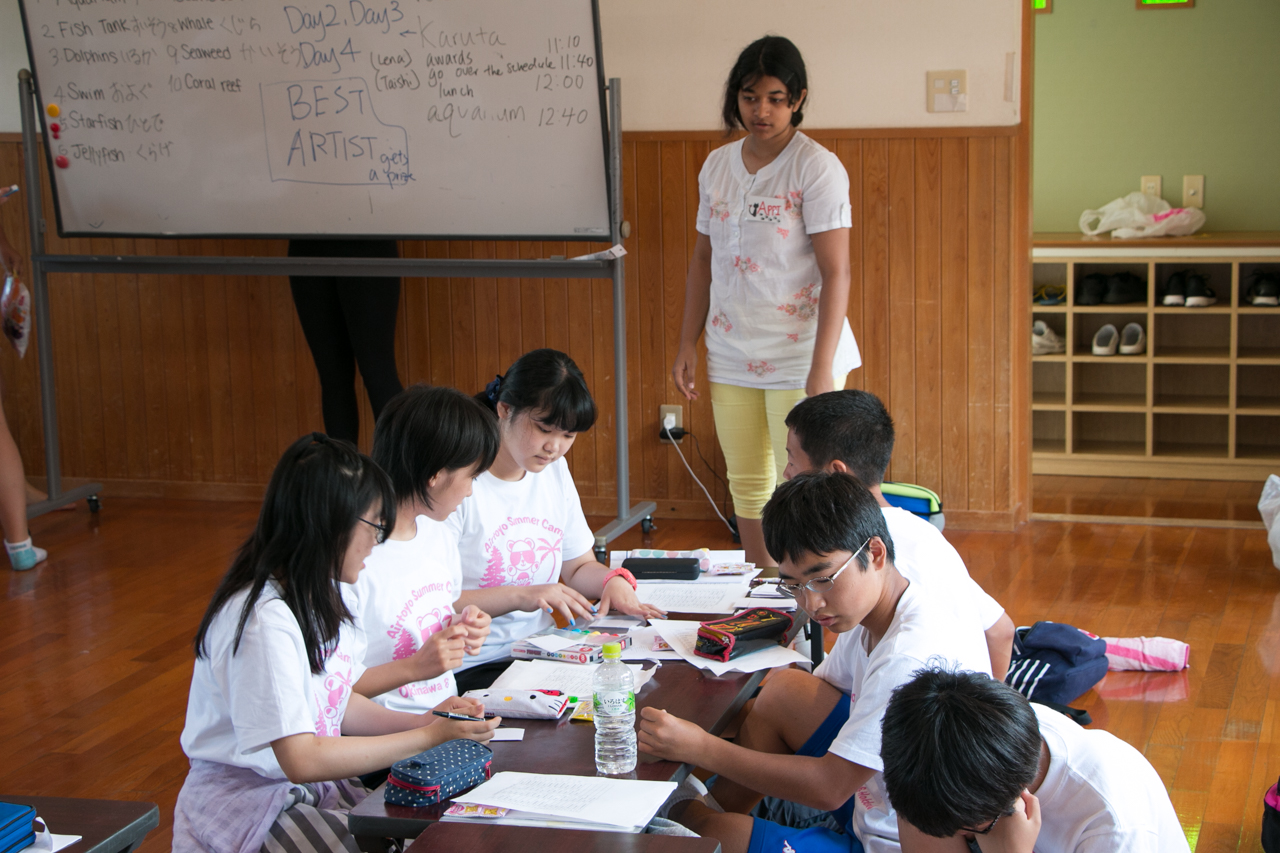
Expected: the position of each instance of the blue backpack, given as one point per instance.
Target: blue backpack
(1056, 663)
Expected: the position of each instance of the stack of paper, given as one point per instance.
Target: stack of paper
(694, 596)
(683, 636)
(574, 802)
(572, 678)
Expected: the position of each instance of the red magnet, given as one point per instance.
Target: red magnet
(55, 127)
(61, 161)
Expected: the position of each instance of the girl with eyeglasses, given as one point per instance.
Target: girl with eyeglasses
(273, 730)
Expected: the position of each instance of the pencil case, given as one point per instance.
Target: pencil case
(438, 774)
(663, 568)
(17, 827)
(521, 704)
(742, 633)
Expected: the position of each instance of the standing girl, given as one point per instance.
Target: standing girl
(525, 544)
(769, 279)
(275, 661)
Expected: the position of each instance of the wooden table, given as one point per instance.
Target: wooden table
(106, 826)
(468, 838)
(565, 747)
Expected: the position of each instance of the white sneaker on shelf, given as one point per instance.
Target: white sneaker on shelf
(1106, 340)
(1133, 340)
(1045, 341)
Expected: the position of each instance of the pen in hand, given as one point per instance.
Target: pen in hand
(450, 715)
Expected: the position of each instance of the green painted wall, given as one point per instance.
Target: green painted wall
(1121, 93)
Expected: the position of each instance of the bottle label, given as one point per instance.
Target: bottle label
(615, 703)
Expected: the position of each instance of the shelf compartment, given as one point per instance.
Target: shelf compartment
(1051, 273)
(1048, 384)
(1246, 275)
(1048, 432)
(1109, 433)
(1084, 269)
(1110, 384)
(1190, 336)
(1184, 386)
(1187, 435)
(1258, 387)
(1088, 323)
(1217, 275)
(1259, 336)
(1258, 437)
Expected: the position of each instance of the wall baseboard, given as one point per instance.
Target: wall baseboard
(168, 489)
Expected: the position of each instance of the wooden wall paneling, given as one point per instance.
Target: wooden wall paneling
(219, 314)
(980, 298)
(1001, 411)
(413, 321)
(128, 335)
(234, 294)
(675, 263)
(510, 341)
(954, 413)
(89, 366)
(901, 318)
(106, 318)
(850, 153)
(266, 451)
(151, 374)
(284, 325)
(580, 335)
(533, 322)
(875, 343)
(928, 315)
(439, 318)
(604, 387)
(648, 225)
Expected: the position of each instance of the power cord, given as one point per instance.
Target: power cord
(672, 433)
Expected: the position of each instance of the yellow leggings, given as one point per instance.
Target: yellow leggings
(751, 426)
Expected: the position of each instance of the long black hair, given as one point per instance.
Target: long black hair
(546, 383)
(425, 430)
(771, 56)
(320, 489)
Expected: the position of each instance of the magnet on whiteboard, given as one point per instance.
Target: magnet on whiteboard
(55, 127)
(61, 161)
(53, 110)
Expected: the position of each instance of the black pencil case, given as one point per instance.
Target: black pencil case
(742, 633)
(663, 568)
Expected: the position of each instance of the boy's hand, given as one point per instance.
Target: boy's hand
(440, 653)
(477, 624)
(665, 736)
(619, 596)
(1016, 833)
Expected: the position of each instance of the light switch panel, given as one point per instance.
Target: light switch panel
(947, 91)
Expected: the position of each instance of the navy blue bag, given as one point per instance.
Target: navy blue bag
(436, 775)
(1056, 663)
(17, 827)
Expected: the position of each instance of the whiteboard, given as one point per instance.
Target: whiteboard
(442, 118)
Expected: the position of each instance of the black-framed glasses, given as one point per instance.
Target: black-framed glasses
(990, 826)
(819, 586)
(383, 531)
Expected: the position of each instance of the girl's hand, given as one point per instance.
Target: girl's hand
(1015, 833)
(820, 381)
(552, 597)
(459, 705)
(665, 736)
(448, 730)
(684, 369)
(440, 653)
(619, 595)
(477, 624)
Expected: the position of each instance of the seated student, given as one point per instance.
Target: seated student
(806, 739)
(968, 759)
(432, 442)
(275, 660)
(851, 431)
(525, 544)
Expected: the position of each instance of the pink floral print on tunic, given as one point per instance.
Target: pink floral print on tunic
(805, 308)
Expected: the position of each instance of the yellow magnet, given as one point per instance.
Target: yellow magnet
(53, 110)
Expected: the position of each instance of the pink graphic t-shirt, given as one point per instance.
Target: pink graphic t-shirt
(519, 534)
(406, 593)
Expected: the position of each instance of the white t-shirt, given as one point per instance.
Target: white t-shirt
(406, 593)
(519, 534)
(765, 282)
(239, 703)
(1101, 795)
(926, 630)
(923, 554)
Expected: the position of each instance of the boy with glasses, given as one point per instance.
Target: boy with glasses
(972, 765)
(815, 739)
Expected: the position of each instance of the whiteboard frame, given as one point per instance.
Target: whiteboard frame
(610, 189)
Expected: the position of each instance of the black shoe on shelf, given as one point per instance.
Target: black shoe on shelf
(1175, 289)
(1199, 293)
(1091, 289)
(1264, 288)
(1124, 288)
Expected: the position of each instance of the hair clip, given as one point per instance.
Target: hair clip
(493, 389)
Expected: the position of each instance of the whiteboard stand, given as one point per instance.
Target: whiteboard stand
(42, 264)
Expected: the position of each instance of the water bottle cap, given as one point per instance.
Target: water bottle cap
(612, 651)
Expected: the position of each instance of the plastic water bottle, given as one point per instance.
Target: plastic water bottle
(614, 710)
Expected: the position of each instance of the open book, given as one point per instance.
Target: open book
(569, 802)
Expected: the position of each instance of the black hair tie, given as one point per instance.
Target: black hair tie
(493, 389)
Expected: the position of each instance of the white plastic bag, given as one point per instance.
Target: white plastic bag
(1269, 509)
(1141, 215)
(15, 313)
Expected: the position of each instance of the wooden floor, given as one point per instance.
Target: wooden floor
(96, 659)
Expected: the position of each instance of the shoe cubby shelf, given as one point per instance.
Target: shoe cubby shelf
(1203, 398)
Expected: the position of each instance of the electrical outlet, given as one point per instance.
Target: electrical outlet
(1193, 190)
(663, 411)
(1151, 185)
(946, 91)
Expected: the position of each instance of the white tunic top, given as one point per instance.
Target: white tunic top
(763, 319)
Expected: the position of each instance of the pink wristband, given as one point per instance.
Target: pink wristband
(620, 573)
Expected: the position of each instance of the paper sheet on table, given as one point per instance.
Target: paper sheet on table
(552, 643)
(598, 799)
(505, 733)
(641, 647)
(49, 842)
(697, 597)
(619, 621)
(774, 603)
(682, 636)
(572, 678)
